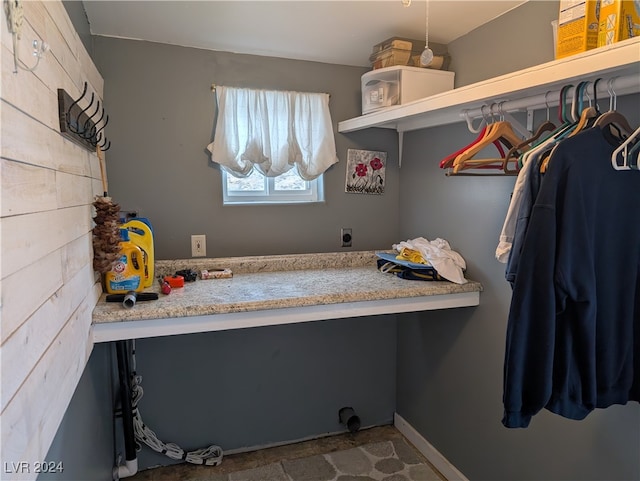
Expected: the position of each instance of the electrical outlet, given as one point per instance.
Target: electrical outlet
(346, 236)
(199, 245)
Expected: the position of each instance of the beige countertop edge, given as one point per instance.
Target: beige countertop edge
(264, 283)
(118, 314)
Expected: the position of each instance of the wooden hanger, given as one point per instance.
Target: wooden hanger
(585, 117)
(482, 130)
(447, 162)
(613, 117)
(546, 126)
(566, 124)
(500, 130)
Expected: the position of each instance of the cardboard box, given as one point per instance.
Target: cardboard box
(390, 57)
(577, 27)
(399, 51)
(399, 43)
(619, 20)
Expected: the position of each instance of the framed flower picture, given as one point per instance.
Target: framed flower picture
(366, 170)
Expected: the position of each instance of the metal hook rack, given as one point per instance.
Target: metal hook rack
(77, 123)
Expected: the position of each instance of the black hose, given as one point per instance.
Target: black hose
(125, 399)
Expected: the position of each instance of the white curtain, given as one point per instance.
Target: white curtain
(272, 131)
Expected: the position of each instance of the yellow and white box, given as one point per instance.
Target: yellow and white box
(577, 27)
(619, 20)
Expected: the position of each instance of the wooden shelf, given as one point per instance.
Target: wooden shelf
(620, 59)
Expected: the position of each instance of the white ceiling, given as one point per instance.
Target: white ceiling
(331, 31)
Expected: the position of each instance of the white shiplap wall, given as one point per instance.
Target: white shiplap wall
(48, 287)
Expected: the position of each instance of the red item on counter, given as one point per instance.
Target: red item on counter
(165, 287)
(174, 281)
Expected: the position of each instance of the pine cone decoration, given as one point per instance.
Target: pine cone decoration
(106, 234)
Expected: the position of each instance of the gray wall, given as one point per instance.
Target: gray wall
(161, 119)
(450, 363)
(262, 385)
(84, 441)
(448, 382)
(78, 17)
(517, 40)
(266, 385)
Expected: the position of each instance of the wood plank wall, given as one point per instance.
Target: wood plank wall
(47, 283)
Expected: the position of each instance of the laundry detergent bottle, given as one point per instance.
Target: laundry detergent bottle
(127, 273)
(141, 234)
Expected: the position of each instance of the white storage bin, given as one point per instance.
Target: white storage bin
(398, 85)
(377, 94)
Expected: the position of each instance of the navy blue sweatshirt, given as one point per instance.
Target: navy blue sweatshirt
(573, 335)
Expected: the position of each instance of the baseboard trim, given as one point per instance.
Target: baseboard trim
(249, 449)
(434, 456)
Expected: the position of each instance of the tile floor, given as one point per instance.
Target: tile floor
(288, 456)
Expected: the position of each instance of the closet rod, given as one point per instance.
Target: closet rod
(620, 86)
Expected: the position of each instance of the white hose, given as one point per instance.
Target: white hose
(210, 456)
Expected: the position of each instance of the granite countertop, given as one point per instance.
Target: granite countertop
(275, 282)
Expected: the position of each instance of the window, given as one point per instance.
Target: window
(273, 146)
(284, 189)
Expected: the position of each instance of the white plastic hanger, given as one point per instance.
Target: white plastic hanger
(627, 149)
(469, 120)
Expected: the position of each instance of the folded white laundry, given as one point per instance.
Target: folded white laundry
(447, 262)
